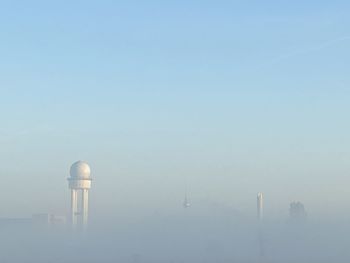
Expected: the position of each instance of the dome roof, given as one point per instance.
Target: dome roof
(80, 170)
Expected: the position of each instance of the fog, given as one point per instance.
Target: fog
(216, 99)
(186, 237)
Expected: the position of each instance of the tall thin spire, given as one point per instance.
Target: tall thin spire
(260, 210)
(186, 203)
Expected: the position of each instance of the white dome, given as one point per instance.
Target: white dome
(80, 170)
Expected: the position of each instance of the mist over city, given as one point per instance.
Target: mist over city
(174, 131)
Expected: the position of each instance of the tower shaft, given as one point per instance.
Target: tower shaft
(74, 206)
(85, 206)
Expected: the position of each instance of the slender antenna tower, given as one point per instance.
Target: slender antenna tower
(186, 203)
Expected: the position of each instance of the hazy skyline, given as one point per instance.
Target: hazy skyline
(229, 97)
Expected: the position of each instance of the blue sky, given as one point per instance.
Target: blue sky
(232, 97)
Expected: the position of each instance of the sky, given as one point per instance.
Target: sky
(224, 98)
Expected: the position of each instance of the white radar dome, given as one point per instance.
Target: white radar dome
(80, 170)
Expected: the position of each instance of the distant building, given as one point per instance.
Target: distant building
(38, 221)
(297, 212)
(48, 220)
